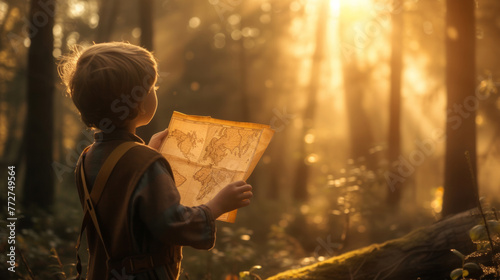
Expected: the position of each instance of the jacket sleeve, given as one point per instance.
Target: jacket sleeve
(158, 202)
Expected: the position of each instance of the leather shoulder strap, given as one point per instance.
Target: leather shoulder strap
(91, 199)
(107, 167)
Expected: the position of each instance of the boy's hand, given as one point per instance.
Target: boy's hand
(232, 196)
(157, 138)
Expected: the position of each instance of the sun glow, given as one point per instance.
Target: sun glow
(353, 9)
(355, 3)
(335, 8)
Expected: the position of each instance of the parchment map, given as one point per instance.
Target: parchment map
(207, 154)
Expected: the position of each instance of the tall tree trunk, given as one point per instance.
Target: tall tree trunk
(361, 137)
(39, 184)
(459, 190)
(146, 24)
(107, 17)
(245, 110)
(277, 122)
(4, 22)
(302, 174)
(394, 141)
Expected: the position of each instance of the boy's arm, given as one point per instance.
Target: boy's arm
(158, 204)
(233, 196)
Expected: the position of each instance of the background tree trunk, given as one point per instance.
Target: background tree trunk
(459, 191)
(107, 16)
(360, 132)
(423, 253)
(243, 67)
(146, 24)
(39, 182)
(394, 143)
(302, 174)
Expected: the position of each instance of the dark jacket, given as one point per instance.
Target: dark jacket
(139, 211)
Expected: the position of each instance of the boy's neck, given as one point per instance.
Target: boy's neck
(131, 127)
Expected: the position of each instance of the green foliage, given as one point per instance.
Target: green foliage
(458, 254)
(467, 269)
(269, 243)
(455, 274)
(472, 268)
(233, 251)
(487, 267)
(236, 246)
(478, 232)
(250, 275)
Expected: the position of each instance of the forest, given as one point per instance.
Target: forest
(386, 119)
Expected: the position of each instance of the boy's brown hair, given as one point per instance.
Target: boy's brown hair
(108, 81)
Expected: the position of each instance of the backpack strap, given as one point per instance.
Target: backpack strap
(91, 199)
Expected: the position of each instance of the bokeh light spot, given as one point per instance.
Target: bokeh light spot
(136, 32)
(194, 22)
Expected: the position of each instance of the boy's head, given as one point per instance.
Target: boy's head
(111, 84)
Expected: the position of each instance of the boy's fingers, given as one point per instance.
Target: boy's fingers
(239, 183)
(245, 202)
(162, 134)
(245, 188)
(159, 136)
(246, 195)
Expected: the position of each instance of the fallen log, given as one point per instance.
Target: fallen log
(424, 253)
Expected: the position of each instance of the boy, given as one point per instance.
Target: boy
(135, 223)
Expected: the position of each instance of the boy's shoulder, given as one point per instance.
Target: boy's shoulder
(145, 148)
(139, 155)
(137, 160)
(142, 155)
(144, 152)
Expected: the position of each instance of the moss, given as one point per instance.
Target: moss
(340, 266)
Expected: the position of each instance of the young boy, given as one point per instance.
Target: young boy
(135, 223)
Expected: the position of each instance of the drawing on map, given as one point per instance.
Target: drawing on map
(206, 154)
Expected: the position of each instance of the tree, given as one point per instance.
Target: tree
(302, 173)
(146, 25)
(243, 71)
(108, 13)
(394, 143)
(459, 190)
(39, 183)
(360, 132)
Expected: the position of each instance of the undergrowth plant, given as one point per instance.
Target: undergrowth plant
(484, 262)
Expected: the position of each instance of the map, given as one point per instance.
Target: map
(207, 154)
